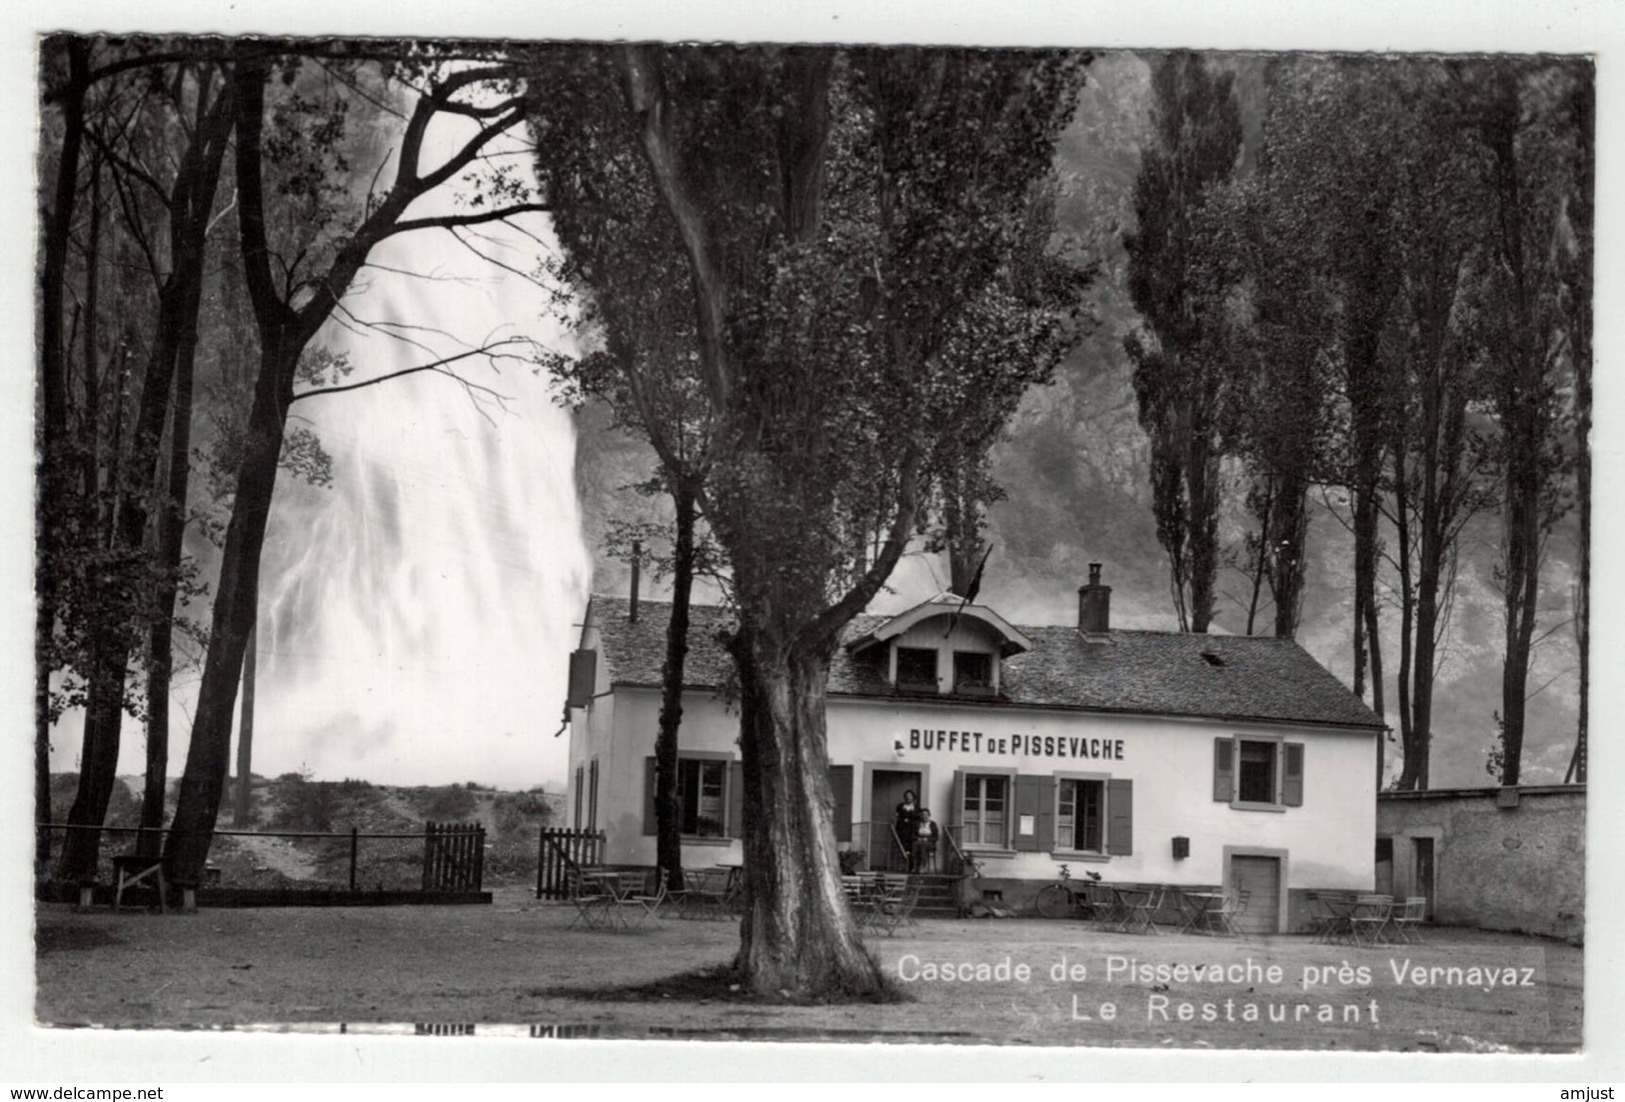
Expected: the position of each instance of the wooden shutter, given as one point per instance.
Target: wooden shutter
(649, 796)
(736, 800)
(592, 795)
(1029, 798)
(583, 677)
(1224, 774)
(1119, 817)
(1047, 789)
(1292, 775)
(840, 782)
(956, 803)
(581, 792)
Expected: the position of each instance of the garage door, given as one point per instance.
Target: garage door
(1260, 877)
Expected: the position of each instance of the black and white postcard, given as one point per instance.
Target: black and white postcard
(970, 547)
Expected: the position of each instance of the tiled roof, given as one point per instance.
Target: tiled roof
(1136, 672)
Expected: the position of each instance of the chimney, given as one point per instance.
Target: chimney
(1094, 604)
(637, 558)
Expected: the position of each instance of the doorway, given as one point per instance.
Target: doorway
(1422, 866)
(1385, 866)
(1260, 878)
(885, 793)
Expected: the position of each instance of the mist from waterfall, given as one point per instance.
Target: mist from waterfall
(416, 616)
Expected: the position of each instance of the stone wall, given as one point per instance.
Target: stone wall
(1504, 859)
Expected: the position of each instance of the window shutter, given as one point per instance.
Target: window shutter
(956, 803)
(1047, 789)
(1292, 776)
(581, 791)
(649, 796)
(592, 795)
(1120, 817)
(1029, 797)
(1224, 776)
(736, 800)
(840, 782)
(583, 676)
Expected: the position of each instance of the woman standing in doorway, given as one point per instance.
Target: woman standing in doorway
(907, 821)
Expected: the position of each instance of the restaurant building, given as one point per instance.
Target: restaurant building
(1144, 756)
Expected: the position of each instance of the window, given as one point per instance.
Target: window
(917, 668)
(699, 797)
(1258, 774)
(710, 797)
(983, 818)
(973, 672)
(1255, 773)
(1080, 816)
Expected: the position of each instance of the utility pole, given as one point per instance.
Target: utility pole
(245, 731)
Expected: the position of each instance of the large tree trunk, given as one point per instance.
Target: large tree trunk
(171, 530)
(668, 816)
(1202, 486)
(98, 764)
(1407, 618)
(53, 426)
(208, 758)
(241, 811)
(1523, 580)
(1365, 588)
(798, 939)
(1289, 553)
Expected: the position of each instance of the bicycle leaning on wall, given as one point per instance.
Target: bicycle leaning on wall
(1067, 898)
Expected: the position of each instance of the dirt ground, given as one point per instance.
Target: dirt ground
(514, 968)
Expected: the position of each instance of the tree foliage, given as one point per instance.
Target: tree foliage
(845, 225)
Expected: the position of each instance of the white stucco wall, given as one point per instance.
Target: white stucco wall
(1327, 842)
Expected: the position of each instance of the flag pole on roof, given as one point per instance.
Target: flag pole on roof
(970, 593)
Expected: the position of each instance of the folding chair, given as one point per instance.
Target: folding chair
(860, 900)
(650, 904)
(589, 898)
(887, 905)
(1142, 912)
(1370, 919)
(1222, 919)
(1105, 906)
(1408, 918)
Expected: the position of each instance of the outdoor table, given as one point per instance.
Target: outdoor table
(1337, 922)
(616, 898)
(705, 895)
(1198, 908)
(608, 879)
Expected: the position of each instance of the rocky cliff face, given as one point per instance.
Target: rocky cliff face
(1074, 466)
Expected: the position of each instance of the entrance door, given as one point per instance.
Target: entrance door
(1422, 863)
(885, 794)
(1260, 878)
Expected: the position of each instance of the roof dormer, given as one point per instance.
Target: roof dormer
(944, 645)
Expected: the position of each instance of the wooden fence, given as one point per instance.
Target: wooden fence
(558, 850)
(453, 856)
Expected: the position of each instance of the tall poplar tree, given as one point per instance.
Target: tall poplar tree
(1180, 375)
